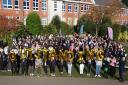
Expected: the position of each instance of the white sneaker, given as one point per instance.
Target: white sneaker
(95, 75)
(88, 74)
(32, 74)
(99, 76)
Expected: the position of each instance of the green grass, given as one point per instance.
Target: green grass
(75, 74)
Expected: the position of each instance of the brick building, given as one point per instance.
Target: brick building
(68, 10)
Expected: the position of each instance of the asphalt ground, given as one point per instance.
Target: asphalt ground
(25, 80)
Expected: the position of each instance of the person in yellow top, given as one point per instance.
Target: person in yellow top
(45, 60)
(24, 63)
(30, 61)
(99, 61)
(90, 58)
(81, 62)
(70, 58)
(12, 57)
(61, 59)
(52, 59)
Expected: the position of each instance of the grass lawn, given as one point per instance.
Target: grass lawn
(75, 73)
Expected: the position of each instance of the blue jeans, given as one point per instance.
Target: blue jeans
(98, 69)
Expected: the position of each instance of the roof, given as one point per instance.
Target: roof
(102, 2)
(106, 2)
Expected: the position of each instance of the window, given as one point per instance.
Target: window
(82, 8)
(75, 8)
(17, 18)
(26, 4)
(55, 5)
(35, 4)
(86, 8)
(64, 7)
(44, 21)
(16, 4)
(69, 7)
(44, 6)
(6, 4)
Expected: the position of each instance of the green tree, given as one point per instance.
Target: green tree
(49, 29)
(22, 31)
(57, 22)
(102, 29)
(66, 29)
(33, 23)
(116, 31)
(89, 25)
(125, 2)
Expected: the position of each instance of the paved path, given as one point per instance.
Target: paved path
(11, 80)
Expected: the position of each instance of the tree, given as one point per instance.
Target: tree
(22, 31)
(56, 21)
(66, 29)
(33, 23)
(125, 2)
(49, 29)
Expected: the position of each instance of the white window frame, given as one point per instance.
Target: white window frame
(44, 5)
(64, 7)
(7, 5)
(35, 4)
(55, 5)
(86, 7)
(82, 8)
(44, 21)
(26, 5)
(16, 6)
(69, 7)
(75, 7)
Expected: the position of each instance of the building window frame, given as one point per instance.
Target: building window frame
(44, 21)
(64, 7)
(26, 4)
(55, 5)
(69, 7)
(7, 4)
(44, 5)
(86, 7)
(16, 4)
(75, 7)
(35, 4)
(82, 8)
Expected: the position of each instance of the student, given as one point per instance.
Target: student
(122, 57)
(38, 64)
(112, 66)
(99, 61)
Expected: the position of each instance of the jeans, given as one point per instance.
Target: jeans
(98, 69)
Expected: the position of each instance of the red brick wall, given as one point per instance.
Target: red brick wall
(20, 13)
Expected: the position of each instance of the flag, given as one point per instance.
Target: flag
(81, 29)
(110, 33)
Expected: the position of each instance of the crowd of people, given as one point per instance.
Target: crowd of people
(30, 55)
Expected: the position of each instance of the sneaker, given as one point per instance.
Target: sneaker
(32, 74)
(88, 74)
(95, 75)
(61, 73)
(99, 76)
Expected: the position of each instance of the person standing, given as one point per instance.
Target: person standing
(99, 61)
(52, 59)
(81, 63)
(122, 57)
(112, 66)
(38, 64)
(12, 57)
(70, 58)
